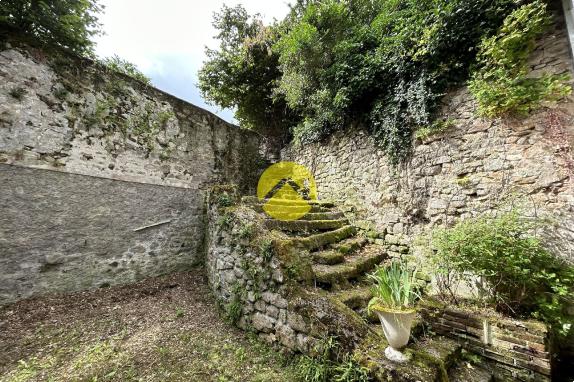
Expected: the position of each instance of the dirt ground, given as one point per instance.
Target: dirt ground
(161, 329)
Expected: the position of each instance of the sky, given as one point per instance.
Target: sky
(166, 39)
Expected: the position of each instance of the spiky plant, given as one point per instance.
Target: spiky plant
(394, 287)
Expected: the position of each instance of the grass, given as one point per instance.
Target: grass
(165, 329)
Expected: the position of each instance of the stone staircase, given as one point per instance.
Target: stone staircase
(342, 257)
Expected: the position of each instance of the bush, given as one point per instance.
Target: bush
(501, 84)
(522, 277)
(66, 23)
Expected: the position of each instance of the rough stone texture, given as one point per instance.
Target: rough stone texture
(65, 117)
(92, 122)
(63, 232)
(470, 169)
(272, 287)
(519, 350)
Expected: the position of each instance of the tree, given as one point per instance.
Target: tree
(242, 73)
(66, 23)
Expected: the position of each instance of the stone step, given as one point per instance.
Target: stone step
(320, 240)
(328, 257)
(295, 210)
(349, 246)
(333, 215)
(305, 225)
(353, 267)
(354, 298)
(288, 202)
(430, 360)
(467, 372)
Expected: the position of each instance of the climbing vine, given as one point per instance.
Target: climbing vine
(501, 84)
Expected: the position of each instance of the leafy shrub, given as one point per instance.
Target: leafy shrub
(117, 64)
(522, 277)
(66, 23)
(394, 287)
(501, 84)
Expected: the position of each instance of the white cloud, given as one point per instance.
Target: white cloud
(166, 39)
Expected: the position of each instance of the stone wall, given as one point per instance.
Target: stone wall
(264, 284)
(61, 232)
(84, 154)
(475, 166)
(519, 350)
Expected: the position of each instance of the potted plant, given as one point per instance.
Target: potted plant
(394, 294)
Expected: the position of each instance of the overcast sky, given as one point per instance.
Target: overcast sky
(166, 38)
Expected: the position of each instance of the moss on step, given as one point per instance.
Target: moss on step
(428, 360)
(328, 257)
(350, 245)
(326, 316)
(320, 240)
(305, 225)
(354, 298)
(295, 210)
(353, 267)
(334, 215)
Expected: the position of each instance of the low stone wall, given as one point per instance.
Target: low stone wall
(261, 282)
(518, 349)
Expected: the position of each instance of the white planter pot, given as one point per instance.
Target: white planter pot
(397, 329)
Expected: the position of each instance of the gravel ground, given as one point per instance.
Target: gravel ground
(161, 329)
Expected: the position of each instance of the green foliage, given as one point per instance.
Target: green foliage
(117, 64)
(522, 277)
(224, 200)
(234, 307)
(246, 231)
(394, 287)
(501, 83)
(437, 127)
(324, 367)
(225, 221)
(383, 63)
(65, 23)
(17, 93)
(267, 250)
(333, 63)
(241, 73)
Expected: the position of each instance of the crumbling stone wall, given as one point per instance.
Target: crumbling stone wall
(263, 283)
(87, 157)
(475, 166)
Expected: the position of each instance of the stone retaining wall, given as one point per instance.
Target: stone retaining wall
(475, 166)
(70, 119)
(518, 349)
(261, 282)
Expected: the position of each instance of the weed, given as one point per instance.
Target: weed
(18, 93)
(266, 249)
